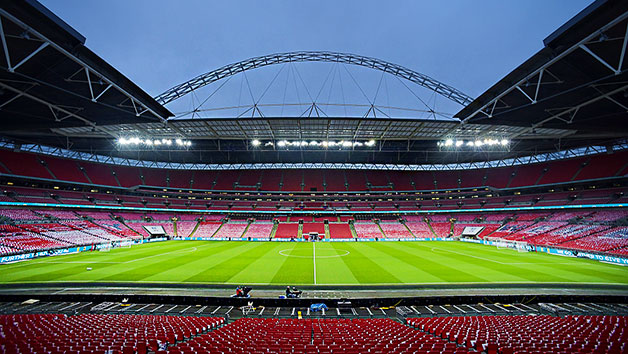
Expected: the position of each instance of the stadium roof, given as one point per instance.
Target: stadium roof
(577, 81)
(56, 92)
(50, 79)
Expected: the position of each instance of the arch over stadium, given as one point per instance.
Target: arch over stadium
(185, 88)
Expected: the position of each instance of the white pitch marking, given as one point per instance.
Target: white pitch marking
(314, 260)
(296, 256)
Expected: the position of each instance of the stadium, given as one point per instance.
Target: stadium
(378, 210)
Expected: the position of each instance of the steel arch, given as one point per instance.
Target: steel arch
(314, 56)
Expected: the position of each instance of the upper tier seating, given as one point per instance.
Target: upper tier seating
(597, 166)
(89, 333)
(259, 335)
(531, 334)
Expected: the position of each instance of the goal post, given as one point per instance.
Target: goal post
(519, 246)
(106, 247)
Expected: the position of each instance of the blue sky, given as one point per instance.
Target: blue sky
(467, 44)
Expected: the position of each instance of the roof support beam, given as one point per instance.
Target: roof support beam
(7, 15)
(28, 57)
(560, 56)
(54, 107)
(574, 110)
(597, 57)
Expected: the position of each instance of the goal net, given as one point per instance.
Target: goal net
(520, 246)
(105, 247)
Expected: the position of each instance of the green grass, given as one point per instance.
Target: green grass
(336, 263)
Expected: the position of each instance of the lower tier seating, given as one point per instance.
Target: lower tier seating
(395, 230)
(185, 228)
(206, 229)
(531, 334)
(233, 230)
(259, 230)
(339, 230)
(258, 336)
(367, 230)
(89, 333)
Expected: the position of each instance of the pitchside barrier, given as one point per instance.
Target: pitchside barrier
(69, 250)
(283, 239)
(561, 252)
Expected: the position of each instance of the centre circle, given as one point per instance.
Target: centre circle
(307, 253)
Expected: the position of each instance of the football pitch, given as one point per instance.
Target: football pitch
(323, 263)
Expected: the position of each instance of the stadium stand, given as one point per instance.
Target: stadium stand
(367, 229)
(206, 229)
(118, 228)
(610, 239)
(441, 229)
(287, 230)
(53, 333)
(420, 229)
(340, 230)
(530, 334)
(395, 230)
(29, 241)
(231, 229)
(564, 234)
(311, 227)
(315, 336)
(259, 229)
(139, 227)
(185, 228)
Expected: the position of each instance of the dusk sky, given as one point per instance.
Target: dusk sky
(467, 44)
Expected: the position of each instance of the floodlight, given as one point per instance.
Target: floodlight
(256, 142)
